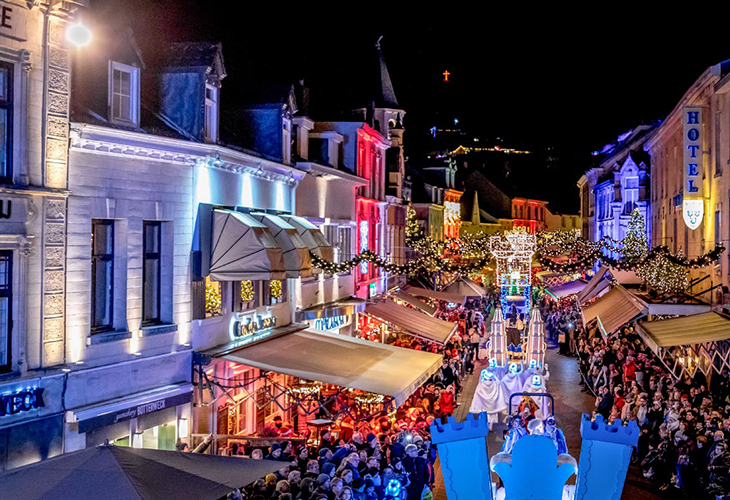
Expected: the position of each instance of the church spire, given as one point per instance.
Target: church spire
(385, 95)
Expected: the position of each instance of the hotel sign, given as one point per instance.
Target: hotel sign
(693, 203)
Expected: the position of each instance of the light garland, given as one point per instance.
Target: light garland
(305, 388)
(369, 398)
(247, 291)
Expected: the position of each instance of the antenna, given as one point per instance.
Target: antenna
(377, 44)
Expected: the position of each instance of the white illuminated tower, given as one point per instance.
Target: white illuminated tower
(536, 339)
(497, 340)
(513, 252)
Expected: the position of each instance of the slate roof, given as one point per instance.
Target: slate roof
(192, 55)
(384, 94)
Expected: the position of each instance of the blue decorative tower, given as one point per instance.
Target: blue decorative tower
(604, 458)
(462, 450)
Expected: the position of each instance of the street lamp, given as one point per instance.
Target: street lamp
(78, 34)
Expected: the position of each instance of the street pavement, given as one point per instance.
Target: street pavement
(570, 404)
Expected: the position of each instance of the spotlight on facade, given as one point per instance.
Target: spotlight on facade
(78, 34)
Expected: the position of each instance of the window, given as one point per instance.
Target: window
(102, 274)
(6, 121)
(6, 299)
(211, 113)
(718, 140)
(151, 275)
(213, 303)
(344, 243)
(718, 227)
(277, 291)
(244, 295)
(286, 141)
(123, 93)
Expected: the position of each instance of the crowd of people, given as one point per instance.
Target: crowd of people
(684, 424)
(388, 457)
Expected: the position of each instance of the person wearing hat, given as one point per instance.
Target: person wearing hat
(323, 485)
(358, 489)
(275, 452)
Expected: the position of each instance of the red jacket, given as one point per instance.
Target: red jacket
(446, 402)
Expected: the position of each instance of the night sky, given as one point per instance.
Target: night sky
(569, 85)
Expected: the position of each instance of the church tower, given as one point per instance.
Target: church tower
(388, 120)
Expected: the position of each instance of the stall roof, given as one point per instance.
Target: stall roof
(614, 309)
(243, 249)
(415, 302)
(338, 308)
(594, 282)
(344, 361)
(466, 287)
(411, 321)
(687, 330)
(566, 289)
(425, 292)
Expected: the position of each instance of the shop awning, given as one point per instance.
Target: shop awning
(411, 321)
(592, 284)
(311, 236)
(425, 292)
(466, 288)
(339, 308)
(414, 301)
(125, 408)
(243, 249)
(614, 309)
(686, 330)
(297, 262)
(566, 289)
(340, 360)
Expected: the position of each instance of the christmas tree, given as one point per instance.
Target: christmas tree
(635, 248)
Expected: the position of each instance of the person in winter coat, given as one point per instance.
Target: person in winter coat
(447, 402)
(417, 471)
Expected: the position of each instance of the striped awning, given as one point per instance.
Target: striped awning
(414, 301)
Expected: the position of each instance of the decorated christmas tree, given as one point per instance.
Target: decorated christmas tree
(635, 248)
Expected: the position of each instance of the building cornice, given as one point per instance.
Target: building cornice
(96, 139)
(330, 173)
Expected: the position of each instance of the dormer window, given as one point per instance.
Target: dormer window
(211, 113)
(123, 93)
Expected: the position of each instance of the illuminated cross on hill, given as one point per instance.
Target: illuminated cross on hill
(446, 75)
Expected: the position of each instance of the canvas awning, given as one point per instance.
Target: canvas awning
(597, 291)
(411, 321)
(466, 288)
(344, 361)
(566, 289)
(614, 309)
(312, 236)
(339, 308)
(425, 292)
(414, 301)
(592, 284)
(297, 262)
(243, 249)
(686, 330)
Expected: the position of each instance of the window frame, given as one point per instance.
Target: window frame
(8, 104)
(152, 256)
(210, 131)
(134, 91)
(95, 329)
(6, 291)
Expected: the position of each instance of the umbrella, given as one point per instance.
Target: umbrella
(119, 473)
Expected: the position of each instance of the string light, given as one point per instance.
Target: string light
(247, 291)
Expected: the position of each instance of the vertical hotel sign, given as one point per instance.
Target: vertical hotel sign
(693, 204)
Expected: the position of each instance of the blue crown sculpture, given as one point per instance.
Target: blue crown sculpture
(617, 433)
(459, 431)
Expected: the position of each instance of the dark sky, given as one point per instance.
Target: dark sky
(546, 81)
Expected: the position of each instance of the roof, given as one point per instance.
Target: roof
(425, 292)
(340, 360)
(411, 321)
(467, 288)
(566, 289)
(687, 330)
(194, 55)
(384, 94)
(614, 309)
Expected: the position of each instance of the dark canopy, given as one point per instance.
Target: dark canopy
(118, 473)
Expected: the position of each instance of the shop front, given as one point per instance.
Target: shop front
(153, 419)
(31, 420)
